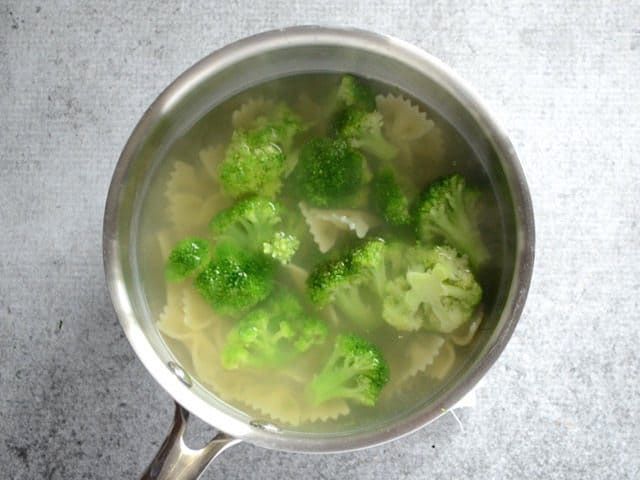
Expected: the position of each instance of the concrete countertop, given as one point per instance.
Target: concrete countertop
(563, 401)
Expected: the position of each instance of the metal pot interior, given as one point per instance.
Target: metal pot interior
(270, 56)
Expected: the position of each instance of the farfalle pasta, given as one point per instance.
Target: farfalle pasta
(184, 178)
(443, 363)
(245, 116)
(210, 159)
(197, 313)
(171, 321)
(403, 120)
(465, 334)
(418, 138)
(192, 195)
(327, 225)
(411, 356)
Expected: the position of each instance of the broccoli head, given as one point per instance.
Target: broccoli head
(353, 93)
(396, 283)
(254, 163)
(272, 335)
(235, 280)
(389, 199)
(329, 172)
(188, 257)
(253, 223)
(282, 247)
(351, 282)
(284, 123)
(355, 370)
(396, 311)
(448, 210)
(248, 223)
(363, 130)
(256, 159)
(438, 292)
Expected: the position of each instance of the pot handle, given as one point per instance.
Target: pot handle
(176, 461)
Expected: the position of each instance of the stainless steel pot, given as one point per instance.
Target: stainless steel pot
(235, 68)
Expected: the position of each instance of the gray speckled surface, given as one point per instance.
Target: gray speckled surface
(564, 399)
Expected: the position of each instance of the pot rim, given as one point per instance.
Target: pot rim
(351, 38)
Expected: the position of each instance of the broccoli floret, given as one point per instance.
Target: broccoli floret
(368, 257)
(248, 223)
(285, 124)
(389, 199)
(235, 280)
(414, 287)
(397, 255)
(282, 247)
(253, 163)
(329, 172)
(354, 266)
(363, 130)
(438, 292)
(325, 279)
(272, 335)
(351, 282)
(353, 93)
(355, 370)
(313, 332)
(395, 309)
(256, 159)
(187, 258)
(254, 224)
(448, 210)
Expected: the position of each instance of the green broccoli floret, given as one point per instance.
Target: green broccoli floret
(438, 292)
(363, 130)
(353, 93)
(236, 279)
(413, 286)
(329, 172)
(313, 332)
(389, 199)
(393, 278)
(247, 223)
(187, 258)
(282, 247)
(256, 159)
(254, 223)
(325, 279)
(272, 335)
(448, 210)
(367, 258)
(253, 163)
(285, 124)
(397, 255)
(395, 309)
(352, 282)
(355, 370)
